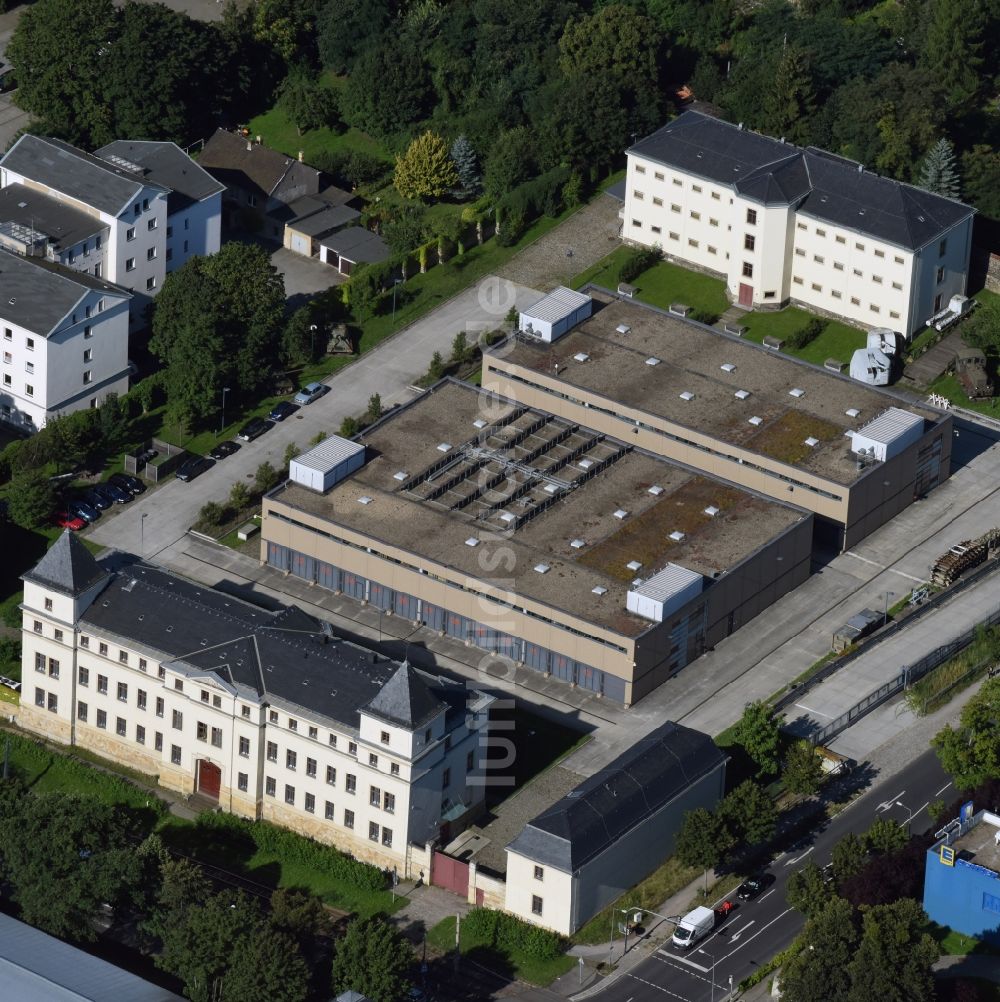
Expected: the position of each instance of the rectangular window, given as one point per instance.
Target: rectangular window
(121, 726)
(29, 390)
(151, 254)
(855, 301)
(311, 767)
(837, 266)
(897, 286)
(130, 264)
(142, 664)
(796, 280)
(942, 248)
(394, 768)
(140, 699)
(158, 741)
(245, 710)
(242, 782)
(159, 706)
(637, 195)
(314, 732)
(351, 783)
(204, 695)
(310, 803)
(820, 233)
(877, 279)
(48, 606)
(145, 205)
(81, 712)
(373, 760)
(272, 717)
(372, 831)
(692, 243)
(151, 225)
(88, 376)
(446, 779)
(290, 759)
(270, 786)
(639, 169)
(747, 269)
(387, 838)
(102, 684)
(150, 283)
(177, 721)
(37, 626)
(859, 247)
(800, 252)
(818, 259)
(217, 737)
(898, 260)
(657, 201)
(874, 308)
(857, 272)
(352, 748)
(217, 702)
(536, 905)
(384, 737)
(102, 719)
(289, 794)
(328, 811)
(293, 725)
(272, 752)
(122, 692)
(800, 226)
(675, 236)
(130, 233)
(835, 293)
(940, 275)
(749, 242)
(696, 215)
(636, 222)
(816, 287)
(658, 175)
(179, 684)
(29, 368)
(879, 253)
(470, 761)
(752, 217)
(348, 819)
(140, 734)
(375, 797)
(539, 873)
(389, 803)
(84, 675)
(331, 775)
(840, 239)
(88, 355)
(102, 649)
(675, 208)
(40, 662)
(894, 314)
(245, 747)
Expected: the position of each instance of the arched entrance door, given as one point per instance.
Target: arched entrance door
(209, 779)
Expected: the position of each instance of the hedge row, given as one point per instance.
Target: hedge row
(806, 335)
(293, 848)
(638, 261)
(511, 935)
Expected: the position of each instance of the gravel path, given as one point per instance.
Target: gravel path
(591, 233)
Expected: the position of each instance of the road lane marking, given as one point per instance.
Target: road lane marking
(803, 856)
(886, 804)
(771, 891)
(659, 988)
(819, 713)
(684, 960)
(732, 939)
(684, 970)
(763, 928)
(943, 788)
(882, 567)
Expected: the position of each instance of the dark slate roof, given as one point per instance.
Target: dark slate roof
(38, 294)
(282, 654)
(167, 165)
(592, 817)
(320, 222)
(74, 173)
(357, 244)
(821, 184)
(61, 223)
(68, 566)
(406, 700)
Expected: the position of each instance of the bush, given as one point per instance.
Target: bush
(293, 848)
(211, 513)
(265, 478)
(807, 335)
(349, 427)
(511, 935)
(512, 224)
(543, 194)
(639, 261)
(353, 168)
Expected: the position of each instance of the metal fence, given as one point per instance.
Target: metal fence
(907, 676)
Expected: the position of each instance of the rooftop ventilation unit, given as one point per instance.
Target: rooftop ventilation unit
(400, 475)
(552, 488)
(852, 412)
(812, 442)
(542, 568)
(623, 329)
(796, 392)
(577, 544)
(621, 513)
(652, 360)
(585, 464)
(507, 517)
(741, 394)
(676, 536)
(687, 395)
(365, 499)
(727, 367)
(472, 541)
(711, 511)
(633, 565)
(755, 421)
(599, 590)
(581, 356)
(444, 447)
(479, 423)
(656, 490)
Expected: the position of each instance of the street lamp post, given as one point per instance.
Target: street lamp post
(885, 610)
(395, 285)
(142, 531)
(909, 819)
(711, 956)
(312, 342)
(222, 427)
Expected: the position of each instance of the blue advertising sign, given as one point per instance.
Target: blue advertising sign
(967, 812)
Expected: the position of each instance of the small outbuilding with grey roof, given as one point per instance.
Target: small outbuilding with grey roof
(612, 830)
(351, 246)
(553, 315)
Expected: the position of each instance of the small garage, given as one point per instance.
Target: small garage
(303, 234)
(352, 246)
(327, 464)
(555, 314)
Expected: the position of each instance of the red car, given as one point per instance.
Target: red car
(67, 521)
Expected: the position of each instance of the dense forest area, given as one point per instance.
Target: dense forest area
(531, 85)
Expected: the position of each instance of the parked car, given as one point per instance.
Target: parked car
(10, 683)
(750, 888)
(96, 498)
(280, 411)
(67, 521)
(116, 493)
(253, 429)
(146, 457)
(309, 393)
(193, 467)
(224, 449)
(80, 508)
(127, 483)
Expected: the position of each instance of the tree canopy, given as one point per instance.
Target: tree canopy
(757, 731)
(372, 958)
(970, 752)
(426, 170)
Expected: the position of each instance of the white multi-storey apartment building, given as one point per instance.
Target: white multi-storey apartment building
(782, 224)
(265, 713)
(151, 208)
(63, 336)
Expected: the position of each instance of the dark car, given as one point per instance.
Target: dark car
(252, 429)
(96, 498)
(193, 467)
(116, 493)
(750, 888)
(80, 508)
(280, 411)
(127, 483)
(224, 449)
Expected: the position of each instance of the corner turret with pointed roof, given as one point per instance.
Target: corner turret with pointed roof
(68, 567)
(405, 700)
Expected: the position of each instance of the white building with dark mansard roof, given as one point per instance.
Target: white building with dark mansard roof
(265, 713)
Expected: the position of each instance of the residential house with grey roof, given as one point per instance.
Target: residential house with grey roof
(613, 829)
(265, 713)
(150, 206)
(63, 333)
(781, 224)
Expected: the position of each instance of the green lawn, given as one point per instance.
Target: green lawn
(277, 132)
(948, 386)
(661, 285)
(838, 340)
(538, 972)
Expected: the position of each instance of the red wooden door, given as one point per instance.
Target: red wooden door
(451, 874)
(746, 295)
(209, 779)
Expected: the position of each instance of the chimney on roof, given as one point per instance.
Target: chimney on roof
(302, 156)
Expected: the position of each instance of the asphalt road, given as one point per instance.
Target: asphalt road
(758, 929)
